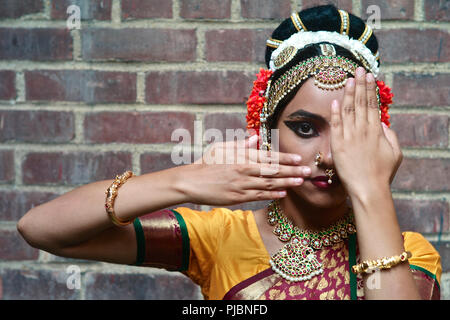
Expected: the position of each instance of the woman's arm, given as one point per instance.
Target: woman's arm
(379, 236)
(366, 156)
(76, 224)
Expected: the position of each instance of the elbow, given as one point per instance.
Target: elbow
(23, 227)
(31, 232)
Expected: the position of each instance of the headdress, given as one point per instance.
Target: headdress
(329, 69)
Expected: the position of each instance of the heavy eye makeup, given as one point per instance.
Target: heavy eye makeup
(302, 128)
(305, 123)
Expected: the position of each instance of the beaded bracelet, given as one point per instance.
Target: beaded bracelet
(369, 266)
(111, 194)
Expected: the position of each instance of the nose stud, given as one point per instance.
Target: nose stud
(329, 172)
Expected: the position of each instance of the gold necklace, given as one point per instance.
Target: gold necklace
(297, 260)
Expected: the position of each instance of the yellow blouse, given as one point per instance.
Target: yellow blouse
(226, 248)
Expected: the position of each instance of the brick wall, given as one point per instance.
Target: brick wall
(77, 106)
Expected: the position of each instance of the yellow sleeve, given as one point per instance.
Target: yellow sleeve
(204, 230)
(424, 258)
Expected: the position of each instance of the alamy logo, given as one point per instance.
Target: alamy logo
(74, 19)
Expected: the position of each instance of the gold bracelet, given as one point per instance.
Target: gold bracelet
(111, 194)
(369, 266)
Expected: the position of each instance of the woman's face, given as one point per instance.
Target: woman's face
(304, 128)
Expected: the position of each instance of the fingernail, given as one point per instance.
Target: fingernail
(360, 71)
(298, 180)
(369, 77)
(282, 193)
(296, 158)
(306, 170)
(350, 82)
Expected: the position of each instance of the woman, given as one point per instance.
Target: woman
(330, 231)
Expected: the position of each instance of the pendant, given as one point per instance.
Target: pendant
(296, 262)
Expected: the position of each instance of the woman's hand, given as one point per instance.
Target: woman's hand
(234, 172)
(366, 153)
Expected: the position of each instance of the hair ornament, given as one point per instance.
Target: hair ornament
(301, 39)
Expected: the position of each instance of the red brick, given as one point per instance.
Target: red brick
(15, 203)
(421, 130)
(139, 44)
(7, 85)
(198, 87)
(227, 45)
(29, 284)
(134, 286)
(87, 86)
(224, 121)
(41, 44)
(438, 10)
(141, 9)
(413, 45)
(37, 126)
(135, 127)
(390, 9)
(424, 216)
(156, 161)
(14, 247)
(73, 168)
(7, 171)
(265, 9)
(346, 5)
(15, 9)
(422, 175)
(421, 89)
(89, 9)
(205, 9)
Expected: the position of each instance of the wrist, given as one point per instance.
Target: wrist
(375, 195)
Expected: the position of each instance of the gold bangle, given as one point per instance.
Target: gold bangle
(111, 194)
(369, 266)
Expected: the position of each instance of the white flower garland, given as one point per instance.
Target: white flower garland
(301, 39)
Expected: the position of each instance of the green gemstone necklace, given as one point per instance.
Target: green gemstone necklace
(297, 260)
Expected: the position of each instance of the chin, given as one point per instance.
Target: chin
(320, 198)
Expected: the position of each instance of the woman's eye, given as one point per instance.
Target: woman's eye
(302, 128)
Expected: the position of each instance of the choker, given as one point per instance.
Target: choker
(297, 260)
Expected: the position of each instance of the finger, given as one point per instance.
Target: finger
(336, 121)
(348, 107)
(275, 170)
(263, 183)
(360, 98)
(251, 142)
(258, 195)
(373, 114)
(274, 157)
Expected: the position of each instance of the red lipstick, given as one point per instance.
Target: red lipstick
(321, 182)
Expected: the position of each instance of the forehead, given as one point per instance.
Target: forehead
(313, 99)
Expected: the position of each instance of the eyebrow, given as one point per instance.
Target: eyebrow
(306, 114)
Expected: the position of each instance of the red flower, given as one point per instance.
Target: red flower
(386, 96)
(256, 100)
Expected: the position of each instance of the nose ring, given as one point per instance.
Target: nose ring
(328, 172)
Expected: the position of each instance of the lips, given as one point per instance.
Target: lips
(320, 178)
(322, 182)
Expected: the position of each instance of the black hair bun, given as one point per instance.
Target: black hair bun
(321, 18)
